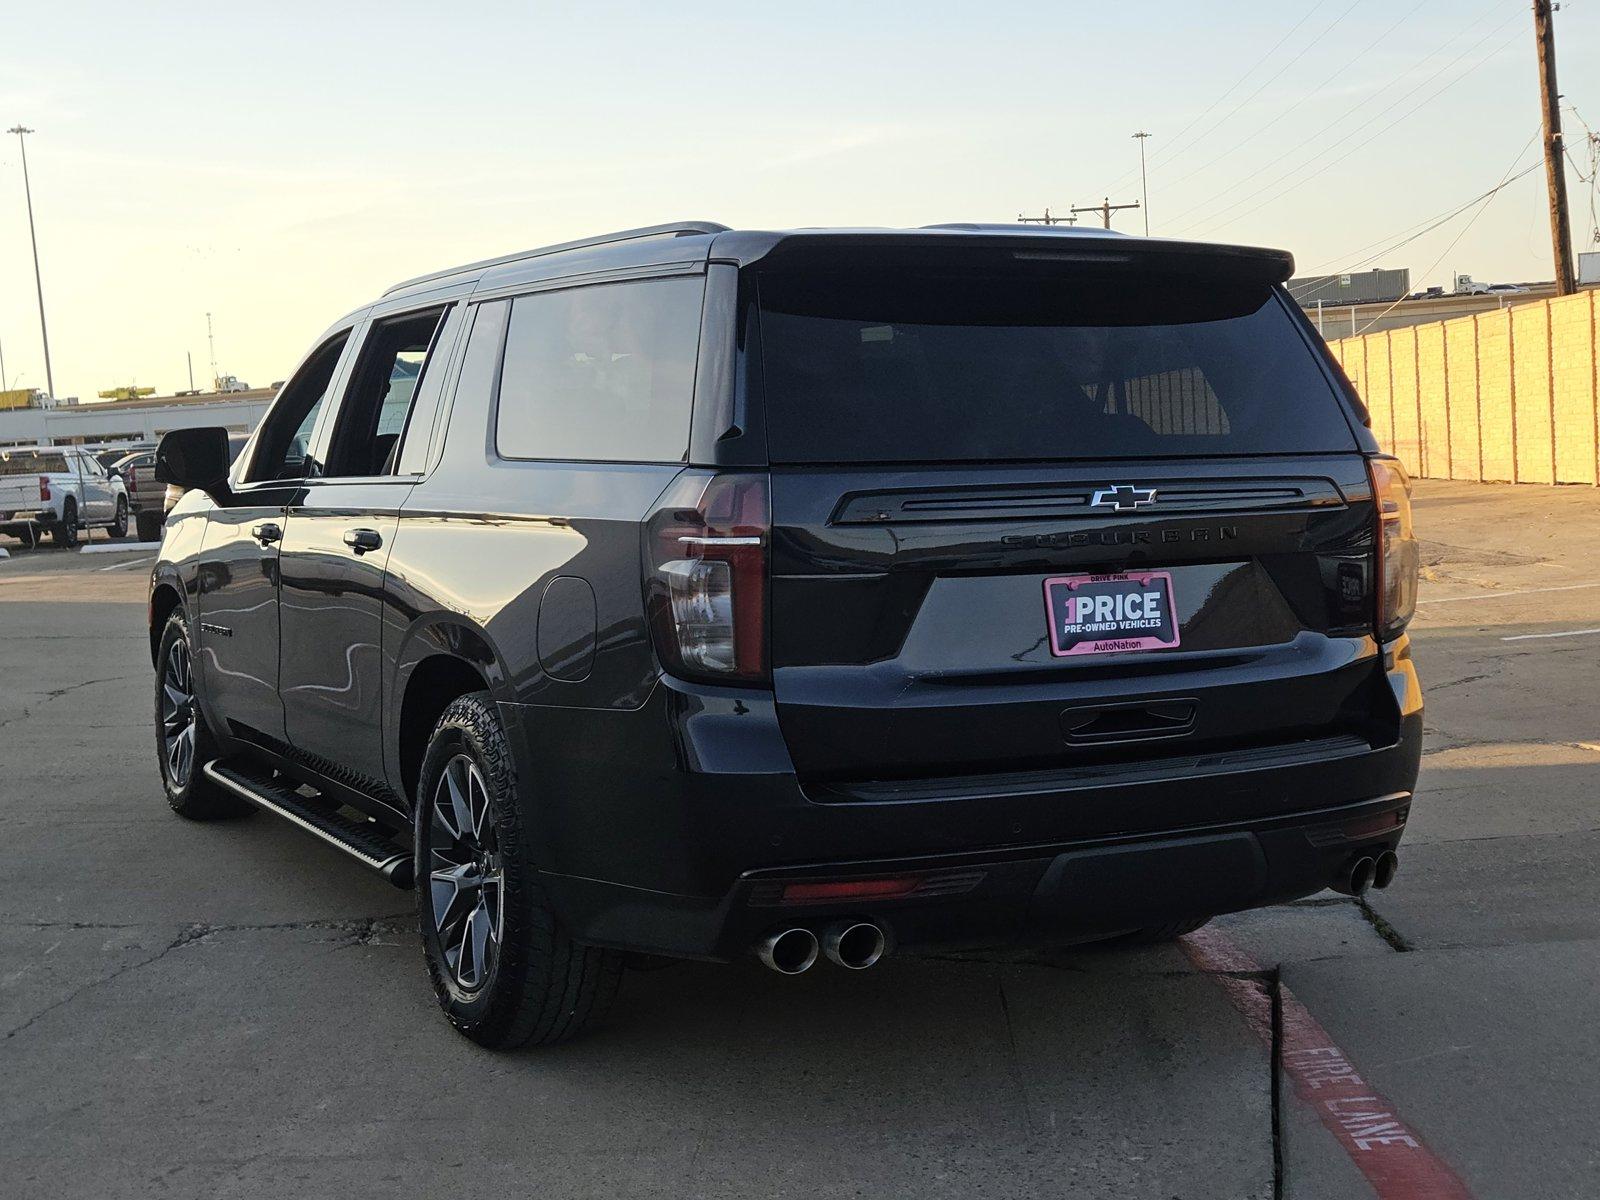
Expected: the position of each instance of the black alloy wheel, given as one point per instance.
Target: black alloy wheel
(177, 714)
(184, 744)
(466, 877)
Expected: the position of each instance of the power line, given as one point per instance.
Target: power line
(1414, 232)
(1307, 95)
(1411, 233)
(1315, 138)
(1216, 218)
(1454, 242)
(1238, 108)
(1293, 29)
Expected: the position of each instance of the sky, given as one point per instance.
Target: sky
(278, 165)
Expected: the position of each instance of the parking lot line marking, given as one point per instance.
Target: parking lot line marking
(1493, 595)
(1528, 637)
(1390, 1153)
(132, 563)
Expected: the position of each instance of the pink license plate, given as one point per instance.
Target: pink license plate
(1110, 614)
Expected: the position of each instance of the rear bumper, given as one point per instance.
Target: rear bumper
(665, 828)
(1035, 895)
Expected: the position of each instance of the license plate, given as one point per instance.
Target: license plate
(1110, 614)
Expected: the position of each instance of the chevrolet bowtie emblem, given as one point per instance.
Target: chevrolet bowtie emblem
(1123, 497)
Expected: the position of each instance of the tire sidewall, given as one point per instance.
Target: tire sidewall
(119, 522)
(67, 532)
(467, 727)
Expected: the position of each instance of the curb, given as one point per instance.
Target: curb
(118, 547)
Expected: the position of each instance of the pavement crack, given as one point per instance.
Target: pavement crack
(189, 934)
(1386, 931)
(1275, 1083)
(57, 693)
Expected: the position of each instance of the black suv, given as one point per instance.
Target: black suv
(698, 593)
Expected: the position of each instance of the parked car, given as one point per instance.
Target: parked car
(146, 494)
(61, 489)
(698, 593)
(109, 456)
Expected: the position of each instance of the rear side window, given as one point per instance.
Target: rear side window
(603, 372)
(28, 463)
(949, 367)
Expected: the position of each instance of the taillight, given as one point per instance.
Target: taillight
(1398, 556)
(44, 487)
(131, 479)
(707, 587)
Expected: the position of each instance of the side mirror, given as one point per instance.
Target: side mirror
(194, 458)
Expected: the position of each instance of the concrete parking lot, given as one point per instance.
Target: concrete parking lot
(235, 1010)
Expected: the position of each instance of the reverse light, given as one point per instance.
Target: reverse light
(707, 588)
(1397, 552)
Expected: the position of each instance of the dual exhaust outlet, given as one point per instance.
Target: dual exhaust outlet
(1367, 872)
(854, 945)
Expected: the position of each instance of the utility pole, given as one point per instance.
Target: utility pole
(212, 342)
(27, 190)
(3, 387)
(1144, 183)
(1105, 209)
(1544, 33)
(1047, 219)
(190, 357)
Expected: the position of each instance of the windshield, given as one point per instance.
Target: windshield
(929, 367)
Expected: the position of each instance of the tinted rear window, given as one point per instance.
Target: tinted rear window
(929, 367)
(27, 463)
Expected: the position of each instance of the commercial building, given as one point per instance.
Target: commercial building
(141, 420)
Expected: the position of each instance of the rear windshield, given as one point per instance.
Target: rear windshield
(928, 367)
(27, 462)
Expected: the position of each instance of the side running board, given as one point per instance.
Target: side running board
(357, 839)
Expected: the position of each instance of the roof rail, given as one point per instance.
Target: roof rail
(672, 229)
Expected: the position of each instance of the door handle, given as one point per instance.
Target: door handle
(362, 540)
(267, 532)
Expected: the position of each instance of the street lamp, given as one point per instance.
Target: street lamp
(1144, 185)
(27, 190)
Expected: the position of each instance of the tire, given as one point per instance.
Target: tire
(119, 524)
(65, 534)
(189, 791)
(28, 535)
(148, 526)
(525, 982)
(1154, 935)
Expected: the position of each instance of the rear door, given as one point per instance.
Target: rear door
(1043, 516)
(338, 533)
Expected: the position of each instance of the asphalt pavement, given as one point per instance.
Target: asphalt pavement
(235, 1010)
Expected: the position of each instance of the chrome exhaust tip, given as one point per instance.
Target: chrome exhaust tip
(1357, 879)
(854, 945)
(788, 951)
(1384, 870)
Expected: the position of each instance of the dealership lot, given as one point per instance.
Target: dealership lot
(236, 1010)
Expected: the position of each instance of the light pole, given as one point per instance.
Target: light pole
(27, 190)
(1144, 185)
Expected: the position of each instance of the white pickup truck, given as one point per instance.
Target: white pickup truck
(61, 489)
